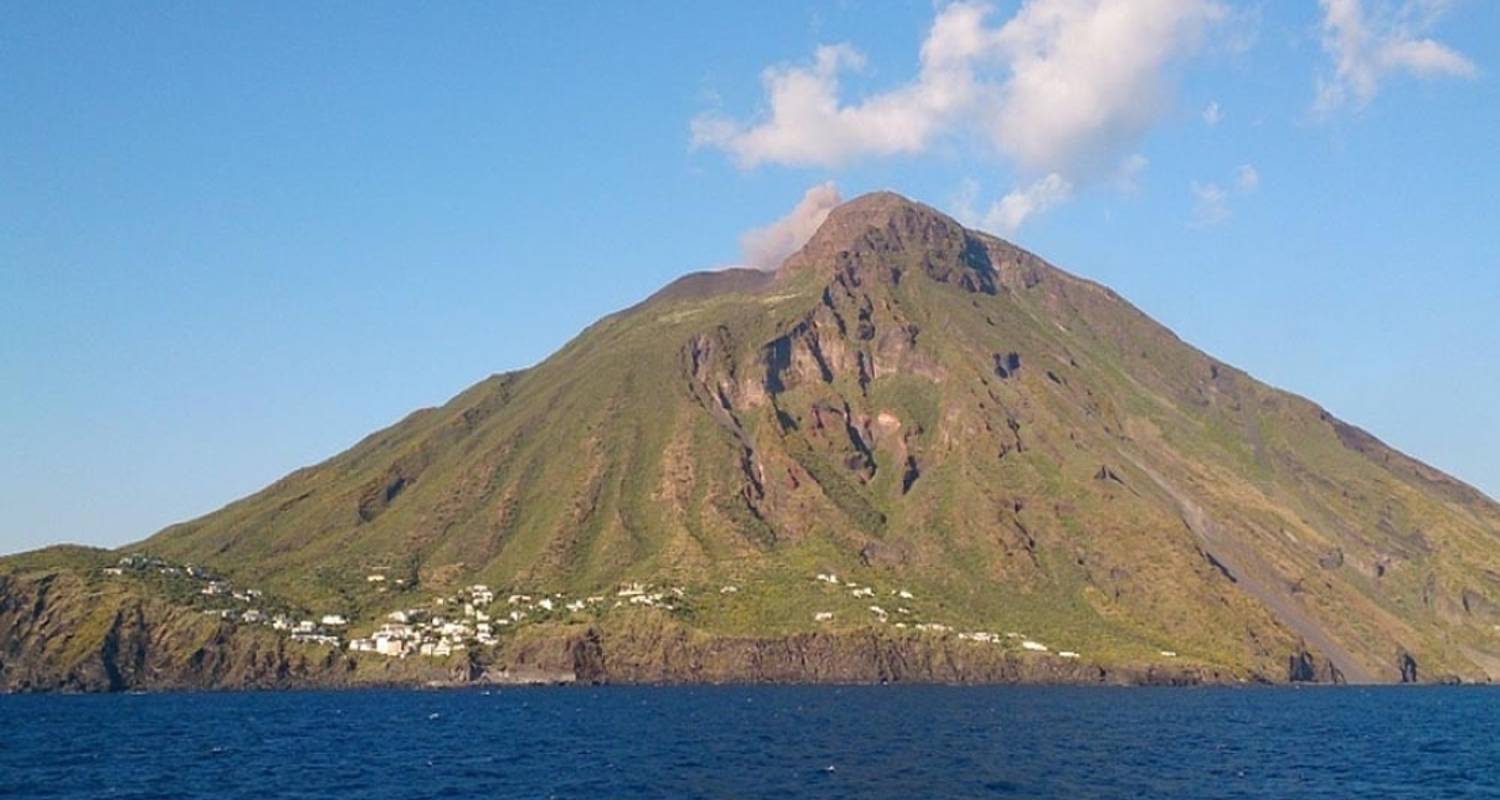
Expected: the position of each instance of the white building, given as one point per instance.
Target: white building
(390, 646)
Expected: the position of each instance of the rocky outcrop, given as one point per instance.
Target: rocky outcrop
(1407, 664)
(58, 632)
(1305, 667)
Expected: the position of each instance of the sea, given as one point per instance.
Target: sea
(758, 742)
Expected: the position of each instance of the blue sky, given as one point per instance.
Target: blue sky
(235, 238)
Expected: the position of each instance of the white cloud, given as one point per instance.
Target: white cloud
(1010, 212)
(1366, 48)
(1062, 89)
(1210, 205)
(765, 248)
(1089, 76)
(809, 126)
(1212, 114)
(1246, 178)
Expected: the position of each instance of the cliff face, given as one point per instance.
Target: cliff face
(60, 632)
(672, 654)
(926, 411)
(64, 629)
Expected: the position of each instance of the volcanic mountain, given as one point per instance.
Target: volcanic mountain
(914, 452)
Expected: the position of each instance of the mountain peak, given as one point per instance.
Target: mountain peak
(889, 234)
(883, 205)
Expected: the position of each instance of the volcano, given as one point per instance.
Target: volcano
(913, 452)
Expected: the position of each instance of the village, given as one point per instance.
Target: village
(447, 625)
(476, 616)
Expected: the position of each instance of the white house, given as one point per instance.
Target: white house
(334, 620)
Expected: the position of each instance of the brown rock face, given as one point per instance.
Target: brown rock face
(884, 237)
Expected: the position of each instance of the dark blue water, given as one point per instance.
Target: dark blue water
(867, 742)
